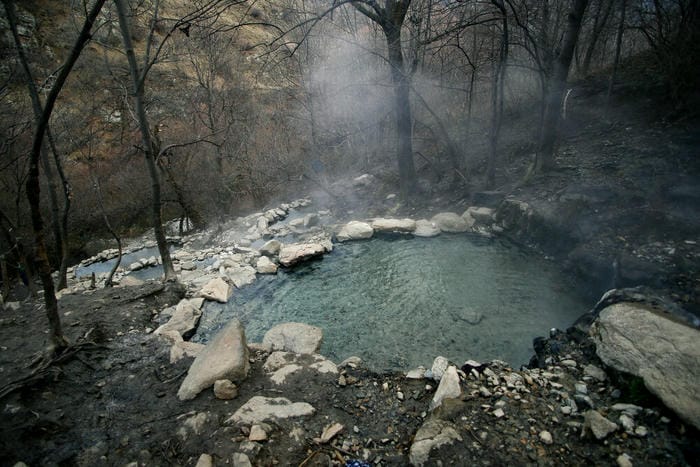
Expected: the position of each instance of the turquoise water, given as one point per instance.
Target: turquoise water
(398, 303)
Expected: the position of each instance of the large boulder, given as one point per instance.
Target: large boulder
(226, 357)
(294, 337)
(637, 339)
(355, 230)
(260, 409)
(298, 252)
(394, 225)
(185, 317)
(449, 388)
(450, 222)
(216, 289)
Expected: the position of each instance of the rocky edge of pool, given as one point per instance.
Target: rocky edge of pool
(617, 387)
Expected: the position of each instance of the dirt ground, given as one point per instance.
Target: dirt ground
(627, 189)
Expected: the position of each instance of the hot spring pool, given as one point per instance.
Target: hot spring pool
(398, 303)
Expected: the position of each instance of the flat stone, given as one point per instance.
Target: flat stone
(294, 337)
(298, 252)
(450, 222)
(217, 290)
(226, 357)
(394, 225)
(426, 228)
(330, 432)
(433, 434)
(664, 353)
(260, 409)
(600, 426)
(594, 372)
(449, 387)
(354, 230)
(482, 215)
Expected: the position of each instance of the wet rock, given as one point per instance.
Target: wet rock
(224, 389)
(450, 222)
(394, 225)
(294, 337)
(631, 338)
(426, 228)
(270, 248)
(260, 409)
(184, 319)
(217, 290)
(600, 426)
(449, 388)
(298, 252)
(311, 220)
(265, 266)
(226, 357)
(354, 230)
(433, 434)
(205, 460)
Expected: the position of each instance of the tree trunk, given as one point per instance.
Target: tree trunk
(402, 108)
(58, 223)
(598, 26)
(618, 49)
(544, 160)
(146, 141)
(497, 97)
(58, 340)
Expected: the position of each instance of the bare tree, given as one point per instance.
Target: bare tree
(58, 340)
(545, 157)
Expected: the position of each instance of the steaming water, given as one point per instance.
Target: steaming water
(398, 303)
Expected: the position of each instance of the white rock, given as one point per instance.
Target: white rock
(433, 434)
(439, 367)
(259, 409)
(265, 266)
(280, 376)
(241, 275)
(271, 248)
(331, 432)
(499, 413)
(298, 252)
(450, 222)
(180, 350)
(627, 423)
(224, 389)
(600, 426)
(240, 460)
(664, 353)
(217, 290)
(417, 373)
(257, 433)
(624, 460)
(546, 437)
(184, 319)
(205, 460)
(226, 357)
(394, 225)
(449, 387)
(425, 228)
(481, 215)
(354, 230)
(294, 337)
(594, 372)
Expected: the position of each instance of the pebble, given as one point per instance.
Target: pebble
(594, 372)
(581, 388)
(546, 437)
(566, 410)
(641, 431)
(498, 413)
(624, 460)
(569, 363)
(399, 395)
(224, 389)
(626, 422)
(205, 460)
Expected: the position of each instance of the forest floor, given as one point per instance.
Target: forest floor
(634, 181)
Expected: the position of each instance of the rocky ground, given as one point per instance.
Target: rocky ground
(113, 398)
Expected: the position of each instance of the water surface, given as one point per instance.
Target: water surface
(398, 303)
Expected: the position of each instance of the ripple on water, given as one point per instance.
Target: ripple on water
(398, 303)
